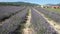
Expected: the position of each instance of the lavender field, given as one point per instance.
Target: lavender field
(7, 11)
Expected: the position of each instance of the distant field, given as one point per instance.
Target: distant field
(56, 10)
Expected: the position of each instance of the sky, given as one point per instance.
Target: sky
(34, 1)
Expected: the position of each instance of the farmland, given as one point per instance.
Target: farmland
(28, 20)
(7, 11)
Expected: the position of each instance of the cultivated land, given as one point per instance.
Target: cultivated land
(7, 11)
(52, 18)
(51, 14)
(28, 20)
(11, 23)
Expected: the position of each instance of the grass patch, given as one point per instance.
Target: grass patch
(55, 10)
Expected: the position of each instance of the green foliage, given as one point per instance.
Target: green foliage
(17, 4)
